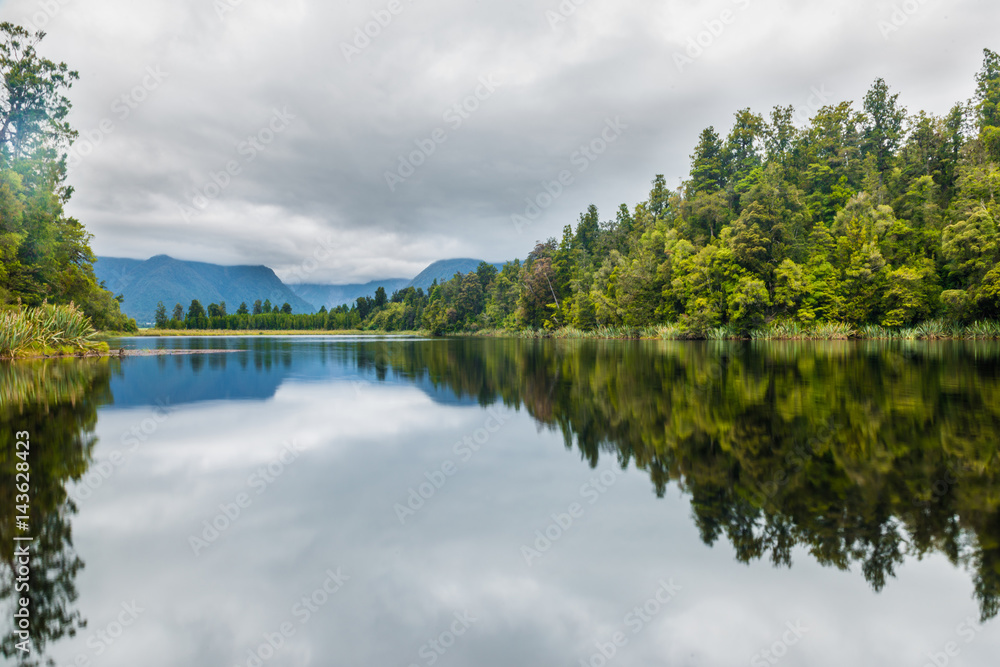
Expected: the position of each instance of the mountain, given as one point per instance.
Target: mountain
(172, 281)
(335, 295)
(445, 269)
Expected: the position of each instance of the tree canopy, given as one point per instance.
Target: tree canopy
(44, 254)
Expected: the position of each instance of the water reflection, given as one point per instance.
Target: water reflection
(864, 454)
(56, 402)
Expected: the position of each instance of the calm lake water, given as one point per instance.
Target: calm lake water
(396, 502)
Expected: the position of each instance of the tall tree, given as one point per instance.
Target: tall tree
(707, 165)
(883, 123)
(161, 315)
(988, 90)
(588, 229)
(742, 154)
(44, 254)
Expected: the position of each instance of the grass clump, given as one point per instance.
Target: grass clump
(47, 330)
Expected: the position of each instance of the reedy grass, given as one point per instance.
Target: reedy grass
(46, 329)
(778, 330)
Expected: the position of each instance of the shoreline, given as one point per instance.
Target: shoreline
(119, 353)
(196, 333)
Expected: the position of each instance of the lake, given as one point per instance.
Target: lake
(362, 501)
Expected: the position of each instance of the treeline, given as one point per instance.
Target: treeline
(262, 316)
(865, 217)
(45, 256)
(875, 218)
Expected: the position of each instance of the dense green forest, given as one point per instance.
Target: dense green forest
(874, 216)
(871, 216)
(864, 222)
(44, 255)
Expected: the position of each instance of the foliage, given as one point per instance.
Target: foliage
(44, 255)
(863, 222)
(862, 217)
(45, 329)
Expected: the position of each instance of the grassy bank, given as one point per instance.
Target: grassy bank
(47, 331)
(258, 332)
(933, 330)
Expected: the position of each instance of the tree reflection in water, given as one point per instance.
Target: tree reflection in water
(56, 402)
(863, 453)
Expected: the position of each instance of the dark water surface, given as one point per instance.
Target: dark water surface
(340, 501)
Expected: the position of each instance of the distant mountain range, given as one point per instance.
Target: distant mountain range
(336, 295)
(143, 283)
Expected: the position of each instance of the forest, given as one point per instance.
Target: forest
(873, 220)
(870, 221)
(45, 255)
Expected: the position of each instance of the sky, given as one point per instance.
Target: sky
(351, 141)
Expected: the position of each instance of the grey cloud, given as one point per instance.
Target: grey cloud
(326, 172)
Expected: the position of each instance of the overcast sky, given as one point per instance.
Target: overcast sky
(320, 124)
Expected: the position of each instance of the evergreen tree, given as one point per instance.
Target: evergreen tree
(161, 316)
(44, 255)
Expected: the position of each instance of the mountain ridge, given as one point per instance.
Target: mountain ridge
(143, 283)
(333, 295)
